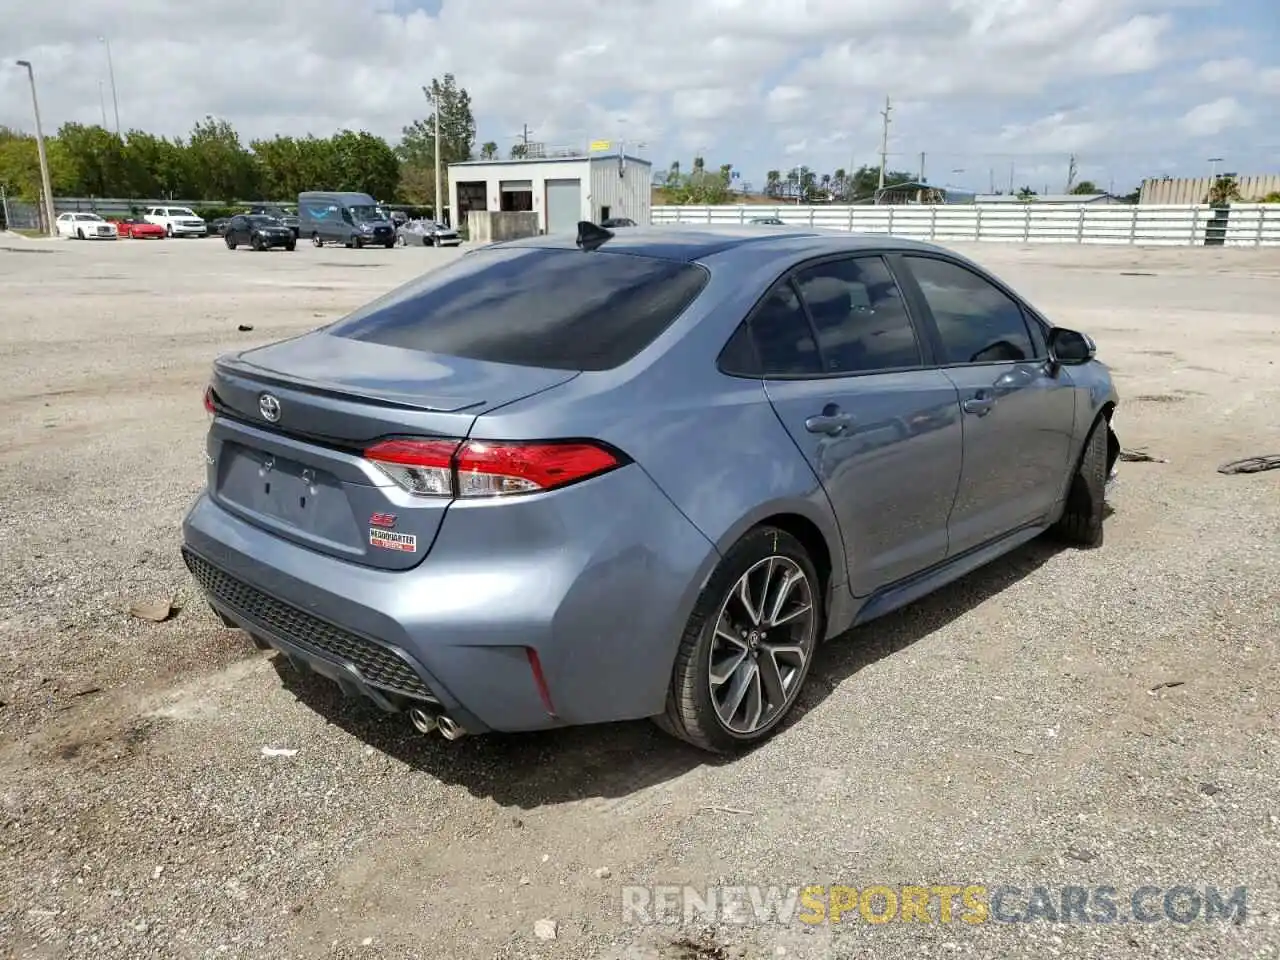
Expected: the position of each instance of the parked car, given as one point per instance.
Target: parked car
(138, 229)
(259, 232)
(177, 221)
(612, 222)
(352, 219)
(768, 221)
(642, 474)
(218, 227)
(283, 214)
(85, 226)
(427, 233)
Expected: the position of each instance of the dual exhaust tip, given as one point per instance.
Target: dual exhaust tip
(428, 723)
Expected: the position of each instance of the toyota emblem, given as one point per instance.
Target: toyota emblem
(269, 407)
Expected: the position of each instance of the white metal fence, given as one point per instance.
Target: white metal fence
(1249, 225)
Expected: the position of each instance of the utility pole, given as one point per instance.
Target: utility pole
(111, 72)
(1012, 163)
(1071, 173)
(44, 157)
(884, 140)
(922, 166)
(102, 102)
(992, 172)
(435, 123)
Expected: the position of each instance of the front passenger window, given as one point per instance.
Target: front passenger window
(976, 321)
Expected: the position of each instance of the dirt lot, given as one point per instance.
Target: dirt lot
(1098, 718)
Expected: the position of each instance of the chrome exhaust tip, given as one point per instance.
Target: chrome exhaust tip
(449, 728)
(422, 721)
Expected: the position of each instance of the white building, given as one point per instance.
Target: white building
(561, 190)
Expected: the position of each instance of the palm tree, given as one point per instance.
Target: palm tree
(773, 183)
(488, 152)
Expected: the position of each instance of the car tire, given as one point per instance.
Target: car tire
(389, 244)
(700, 705)
(1081, 521)
(358, 242)
(168, 230)
(315, 239)
(230, 241)
(291, 245)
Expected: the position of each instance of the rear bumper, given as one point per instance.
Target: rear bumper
(598, 579)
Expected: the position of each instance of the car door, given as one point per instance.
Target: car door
(848, 372)
(239, 229)
(1019, 410)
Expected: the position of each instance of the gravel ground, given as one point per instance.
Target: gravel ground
(1102, 718)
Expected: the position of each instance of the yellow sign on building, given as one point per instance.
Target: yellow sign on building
(600, 145)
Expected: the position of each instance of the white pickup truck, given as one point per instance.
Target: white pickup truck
(177, 221)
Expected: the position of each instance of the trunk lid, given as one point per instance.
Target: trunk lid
(302, 475)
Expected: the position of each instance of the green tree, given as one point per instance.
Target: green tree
(773, 183)
(157, 167)
(518, 152)
(96, 163)
(417, 150)
(20, 165)
(222, 169)
(1224, 190)
(1085, 187)
(364, 163)
(699, 187)
(489, 151)
(1025, 193)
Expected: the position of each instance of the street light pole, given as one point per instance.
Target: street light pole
(111, 72)
(1214, 169)
(44, 157)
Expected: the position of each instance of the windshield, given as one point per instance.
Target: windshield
(263, 221)
(180, 212)
(89, 216)
(366, 214)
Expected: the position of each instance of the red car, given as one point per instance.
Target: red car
(139, 229)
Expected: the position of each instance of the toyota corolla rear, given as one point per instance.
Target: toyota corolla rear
(361, 516)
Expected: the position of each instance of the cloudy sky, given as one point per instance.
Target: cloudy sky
(1133, 87)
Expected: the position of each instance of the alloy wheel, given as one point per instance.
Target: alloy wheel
(764, 636)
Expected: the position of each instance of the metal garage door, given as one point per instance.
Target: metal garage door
(564, 205)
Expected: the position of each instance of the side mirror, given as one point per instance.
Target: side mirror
(1070, 347)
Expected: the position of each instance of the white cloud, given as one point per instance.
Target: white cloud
(1211, 119)
(743, 78)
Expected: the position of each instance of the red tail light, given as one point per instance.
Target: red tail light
(209, 406)
(489, 468)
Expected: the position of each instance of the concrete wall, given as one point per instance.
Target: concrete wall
(487, 226)
(1189, 190)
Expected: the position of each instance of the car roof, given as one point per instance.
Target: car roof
(689, 242)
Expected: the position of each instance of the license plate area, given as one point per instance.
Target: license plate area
(271, 487)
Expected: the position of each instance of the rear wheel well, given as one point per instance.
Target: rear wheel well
(807, 532)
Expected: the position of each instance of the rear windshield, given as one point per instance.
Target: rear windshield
(558, 309)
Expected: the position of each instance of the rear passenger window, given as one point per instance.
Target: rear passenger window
(976, 321)
(859, 315)
(783, 338)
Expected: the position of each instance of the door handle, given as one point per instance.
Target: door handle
(979, 405)
(831, 421)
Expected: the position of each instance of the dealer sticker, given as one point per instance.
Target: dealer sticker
(390, 540)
